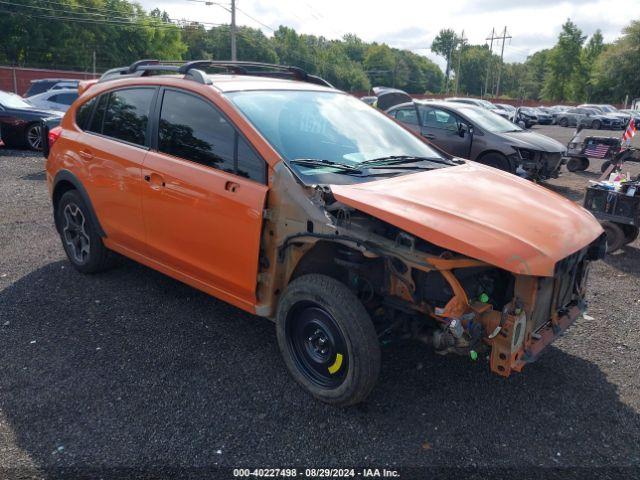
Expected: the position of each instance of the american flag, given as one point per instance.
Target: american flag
(596, 150)
(629, 132)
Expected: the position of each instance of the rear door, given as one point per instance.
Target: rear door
(112, 147)
(443, 129)
(204, 195)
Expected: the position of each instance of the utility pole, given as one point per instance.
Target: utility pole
(504, 37)
(489, 62)
(458, 72)
(446, 83)
(94, 64)
(233, 31)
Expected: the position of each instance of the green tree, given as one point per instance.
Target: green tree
(444, 44)
(380, 64)
(563, 63)
(617, 69)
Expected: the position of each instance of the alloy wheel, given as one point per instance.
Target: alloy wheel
(74, 233)
(34, 137)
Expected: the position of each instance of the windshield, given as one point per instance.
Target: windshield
(11, 100)
(329, 126)
(489, 121)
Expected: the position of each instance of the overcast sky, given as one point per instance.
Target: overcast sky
(412, 24)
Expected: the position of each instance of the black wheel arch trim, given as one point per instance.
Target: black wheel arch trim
(67, 176)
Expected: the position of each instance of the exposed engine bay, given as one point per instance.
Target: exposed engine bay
(414, 289)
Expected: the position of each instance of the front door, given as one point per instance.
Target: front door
(204, 196)
(443, 129)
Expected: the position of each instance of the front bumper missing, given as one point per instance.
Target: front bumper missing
(504, 360)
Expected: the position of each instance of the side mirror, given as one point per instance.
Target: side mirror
(462, 129)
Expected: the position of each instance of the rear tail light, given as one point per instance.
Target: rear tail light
(54, 134)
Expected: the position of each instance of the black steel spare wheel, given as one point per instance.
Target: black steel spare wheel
(317, 344)
(327, 340)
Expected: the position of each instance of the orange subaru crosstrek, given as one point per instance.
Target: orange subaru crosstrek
(271, 190)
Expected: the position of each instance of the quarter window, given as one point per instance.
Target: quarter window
(195, 130)
(95, 124)
(83, 114)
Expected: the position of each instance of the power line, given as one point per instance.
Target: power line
(94, 22)
(136, 22)
(256, 20)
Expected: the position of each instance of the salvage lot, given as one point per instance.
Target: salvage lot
(132, 370)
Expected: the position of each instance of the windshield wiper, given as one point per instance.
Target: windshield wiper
(400, 159)
(317, 162)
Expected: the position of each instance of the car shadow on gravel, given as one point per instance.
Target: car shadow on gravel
(567, 192)
(626, 260)
(130, 369)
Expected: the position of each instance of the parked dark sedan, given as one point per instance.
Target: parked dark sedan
(478, 134)
(21, 122)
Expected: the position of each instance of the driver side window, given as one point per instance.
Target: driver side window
(407, 115)
(436, 118)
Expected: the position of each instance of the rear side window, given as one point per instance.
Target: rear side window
(83, 114)
(127, 115)
(193, 129)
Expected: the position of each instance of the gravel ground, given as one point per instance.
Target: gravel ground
(130, 372)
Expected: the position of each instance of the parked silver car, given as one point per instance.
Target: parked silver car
(478, 134)
(59, 100)
(482, 104)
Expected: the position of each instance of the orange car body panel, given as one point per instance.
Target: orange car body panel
(202, 228)
(204, 222)
(480, 212)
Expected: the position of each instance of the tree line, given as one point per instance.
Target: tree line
(575, 69)
(81, 34)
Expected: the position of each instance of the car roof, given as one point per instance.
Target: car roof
(233, 83)
(228, 82)
(54, 80)
(50, 93)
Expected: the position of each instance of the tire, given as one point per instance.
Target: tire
(577, 164)
(496, 160)
(615, 236)
(33, 137)
(630, 233)
(563, 122)
(595, 125)
(322, 325)
(80, 240)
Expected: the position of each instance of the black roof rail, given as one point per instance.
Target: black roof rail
(193, 69)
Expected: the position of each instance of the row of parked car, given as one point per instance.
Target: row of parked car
(46, 101)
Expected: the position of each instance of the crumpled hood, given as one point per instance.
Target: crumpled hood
(534, 141)
(479, 212)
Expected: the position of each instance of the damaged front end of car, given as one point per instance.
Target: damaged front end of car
(413, 288)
